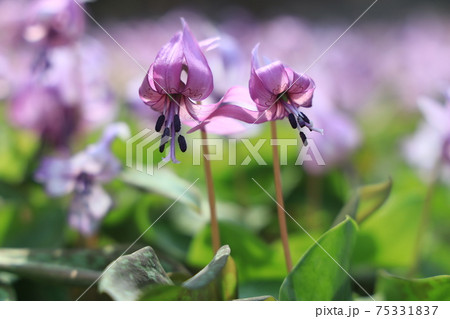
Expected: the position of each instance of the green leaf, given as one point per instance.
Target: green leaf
(77, 267)
(387, 239)
(365, 202)
(229, 283)
(258, 298)
(217, 281)
(165, 183)
(317, 276)
(395, 288)
(127, 276)
(165, 293)
(211, 271)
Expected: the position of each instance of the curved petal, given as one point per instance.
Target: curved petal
(302, 89)
(273, 76)
(235, 105)
(168, 66)
(199, 84)
(148, 94)
(262, 97)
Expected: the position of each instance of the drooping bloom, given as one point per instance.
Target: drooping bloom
(280, 92)
(83, 175)
(179, 78)
(275, 92)
(430, 145)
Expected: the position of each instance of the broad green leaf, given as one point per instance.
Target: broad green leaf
(78, 267)
(127, 276)
(427, 289)
(318, 275)
(259, 298)
(387, 239)
(365, 202)
(165, 183)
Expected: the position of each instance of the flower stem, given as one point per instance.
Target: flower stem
(424, 219)
(215, 234)
(280, 201)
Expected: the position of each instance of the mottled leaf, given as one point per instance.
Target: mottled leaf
(365, 202)
(395, 288)
(318, 275)
(127, 276)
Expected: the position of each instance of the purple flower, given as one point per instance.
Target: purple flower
(275, 92)
(83, 174)
(54, 23)
(340, 139)
(57, 106)
(179, 77)
(42, 109)
(279, 92)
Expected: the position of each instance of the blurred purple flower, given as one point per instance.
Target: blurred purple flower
(56, 105)
(430, 145)
(179, 77)
(83, 174)
(42, 109)
(53, 23)
(341, 135)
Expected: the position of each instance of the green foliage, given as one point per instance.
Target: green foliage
(165, 183)
(427, 289)
(365, 202)
(318, 275)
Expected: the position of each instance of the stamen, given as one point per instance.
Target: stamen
(182, 143)
(162, 147)
(166, 132)
(177, 123)
(301, 122)
(303, 137)
(292, 120)
(305, 118)
(159, 123)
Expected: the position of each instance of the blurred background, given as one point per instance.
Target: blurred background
(382, 97)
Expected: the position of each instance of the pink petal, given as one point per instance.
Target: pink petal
(149, 95)
(273, 76)
(168, 66)
(199, 83)
(302, 89)
(236, 105)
